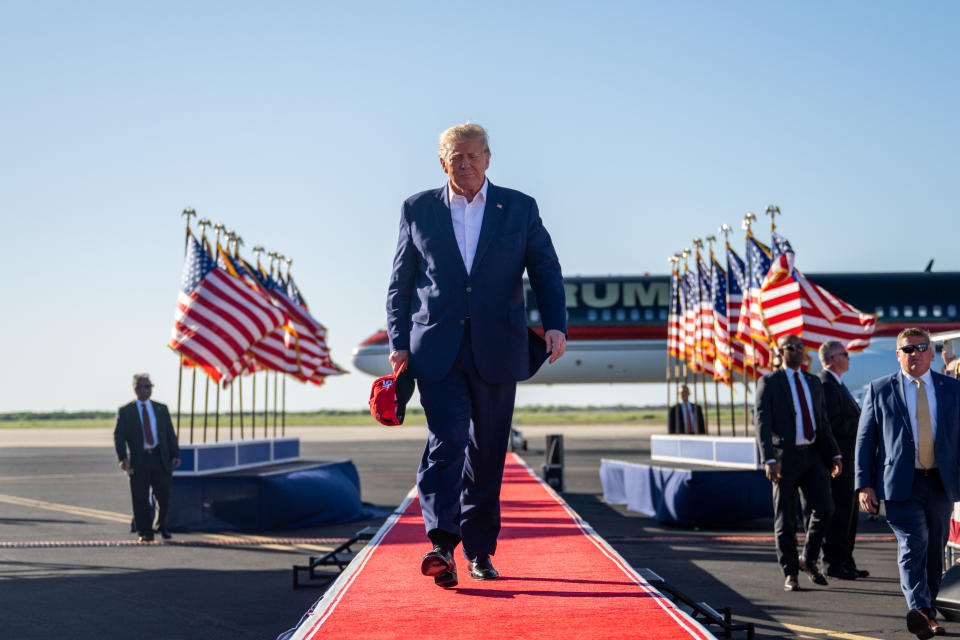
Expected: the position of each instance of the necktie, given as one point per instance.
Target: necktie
(689, 417)
(147, 431)
(804, 410)
(924, 429)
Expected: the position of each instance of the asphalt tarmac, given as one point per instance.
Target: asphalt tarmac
(63, 489)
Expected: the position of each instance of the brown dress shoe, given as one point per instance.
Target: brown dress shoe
(791, 584)
(919, 624)
(813, 573)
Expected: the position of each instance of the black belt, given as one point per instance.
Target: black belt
(927, 472)
(804, 446)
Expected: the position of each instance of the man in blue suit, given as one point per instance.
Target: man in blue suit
(907, 456)
(456, 316)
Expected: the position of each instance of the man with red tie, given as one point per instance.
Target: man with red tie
(148, 451)
(797, 447)
(685, 416)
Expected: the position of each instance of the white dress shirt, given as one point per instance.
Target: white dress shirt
(791, 374)
(910, 397)
(153, 421)
(467, 218)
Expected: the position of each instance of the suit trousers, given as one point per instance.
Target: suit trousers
(461, 468)
(921, 524)
(808, 475)
(842, 532)
(150, 473)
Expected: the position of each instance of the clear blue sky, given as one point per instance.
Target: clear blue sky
(304, 125)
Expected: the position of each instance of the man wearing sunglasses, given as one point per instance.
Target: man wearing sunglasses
(844, 414)
(907, 443)
(798, 448)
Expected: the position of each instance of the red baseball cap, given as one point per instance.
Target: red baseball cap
(389, 396)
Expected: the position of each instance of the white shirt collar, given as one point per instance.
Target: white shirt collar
(835, 375)
(482, 194)
(927, 378)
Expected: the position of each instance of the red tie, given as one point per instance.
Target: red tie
(804, 411)
(689, 418)
(147, 431)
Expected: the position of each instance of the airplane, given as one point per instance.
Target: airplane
(617, 325)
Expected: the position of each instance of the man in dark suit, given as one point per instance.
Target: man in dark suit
(907, 456)
(844, 414)
(148, 451)
(685, 416)
(794, 438)
(456, 315)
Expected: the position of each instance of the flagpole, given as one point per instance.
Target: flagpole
(240, 401)
(179, 391)
(193, 394)
(266, 400)
(716, 385)
(253, 404)
(206, 397)
(275, 404)
(231, 409)
(698, 330)
(186, 213)
(748, 219)
(216, 424)
(283, 413)
(672, 283)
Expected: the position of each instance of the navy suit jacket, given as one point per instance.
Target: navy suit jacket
(431, 293)
(885, 447)
(128, 436)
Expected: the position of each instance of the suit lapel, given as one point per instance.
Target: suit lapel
(492, 209)
(445, 225)
(942, 399)
(785, 378)
(900, 400)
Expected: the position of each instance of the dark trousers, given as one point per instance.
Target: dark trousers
(842, 531)
(150, 473)
(462, 464)
(922, 526)
(808, 475)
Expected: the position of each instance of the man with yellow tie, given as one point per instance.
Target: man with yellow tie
(907, 453)
(685, 416)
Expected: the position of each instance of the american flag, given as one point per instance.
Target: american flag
(674, 345)
(780, 293)
(822, 315)
(750, 325)
(707, 349)
(329, 367)
(721, 327)
(736, 284)
(217, 319)
(691, 309)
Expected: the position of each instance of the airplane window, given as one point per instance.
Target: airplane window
(922, 311)
(894, 312)
(621, 314)
(662, 314)
(606, 315)
(634, 314)
(648, 314)
(591, 315)
(952, 310)
(937, 311)
(878, 311)
(534, 315)
(907, 311)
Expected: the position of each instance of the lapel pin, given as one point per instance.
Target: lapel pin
(499, 206)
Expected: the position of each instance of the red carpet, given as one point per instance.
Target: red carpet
(558, 580)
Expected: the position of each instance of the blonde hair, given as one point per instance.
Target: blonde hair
(460, 133)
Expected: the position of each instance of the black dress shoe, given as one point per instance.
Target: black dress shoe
(919, 624)
(145, 539)
(813, 573)
(440, 564)
(164, 533)
(862, 573)
(842, 573)
(482, 569)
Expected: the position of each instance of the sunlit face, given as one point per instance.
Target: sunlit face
(467, 166)
(839, 361)
(791, 350)
(917, 363)
(143, 390)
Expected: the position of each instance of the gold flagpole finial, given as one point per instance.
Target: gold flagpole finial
(683, 256)
(186, 213)
(219, 228)
(203, 224)
(237, 243)
(698, 244)
(231, 237)
(710, 240)
(273, 260)
(725, 230)
(258, 250)
(289, 262)
(748, 219)
(772, 211)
